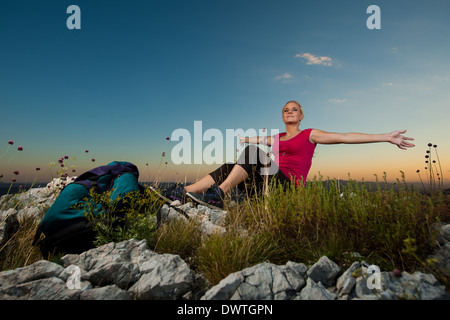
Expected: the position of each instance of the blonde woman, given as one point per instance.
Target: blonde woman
(293, 151)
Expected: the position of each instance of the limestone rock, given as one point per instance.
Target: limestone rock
(315, 291)
(264, 281)
(324, 271)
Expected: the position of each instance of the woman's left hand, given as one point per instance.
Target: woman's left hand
(399, 140)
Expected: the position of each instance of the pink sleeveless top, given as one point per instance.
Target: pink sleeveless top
(294, 156)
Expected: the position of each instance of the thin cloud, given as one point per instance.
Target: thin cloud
(285, 76)
(439, 78)
(393, 50)
(315, 60)
(337, 101)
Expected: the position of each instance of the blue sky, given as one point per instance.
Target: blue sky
(138, 70)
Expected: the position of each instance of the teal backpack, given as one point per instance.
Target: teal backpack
(65, 225)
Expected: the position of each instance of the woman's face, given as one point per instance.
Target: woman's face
(292, 114)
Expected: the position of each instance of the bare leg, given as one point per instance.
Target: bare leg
(236, 176)
(201, 185)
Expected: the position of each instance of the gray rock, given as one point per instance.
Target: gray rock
(413, 286)
(362, 292)
(126, 251)
(30, 212)
(416, 286)
(9, 224)
(122, 274)
(40, 270)
(264, 281)
(43, 289)
(441, 258)
(112, 268)
(169, 214)
(226, 288)
(168, 277)
(131, 265)
(111, 292)
(216, 216)
(210, 220)
(445, 232)
(347, 281)
(324, 271)
(315, 291)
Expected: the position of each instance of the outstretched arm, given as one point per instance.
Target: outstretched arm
(396, 137)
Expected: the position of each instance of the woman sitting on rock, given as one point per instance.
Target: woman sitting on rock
(293, 151)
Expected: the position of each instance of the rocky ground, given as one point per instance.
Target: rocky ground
(130, 270)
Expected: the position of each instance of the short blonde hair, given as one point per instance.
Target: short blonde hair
(298, 104)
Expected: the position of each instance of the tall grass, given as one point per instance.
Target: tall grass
(18, 251)
(222, 254)
(322, 219)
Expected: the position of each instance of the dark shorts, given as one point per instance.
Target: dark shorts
(257, 164)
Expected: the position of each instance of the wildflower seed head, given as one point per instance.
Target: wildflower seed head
(10, 142)
(430, 144)
(16, 172)
(38, 168)
(13, 179)
(93, 160)
(167, 138)
(435, 146)
(20, 148)
(86, 151)
(418, 171)
(396, 273)
(66, 157)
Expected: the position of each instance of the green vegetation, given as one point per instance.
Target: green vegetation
(389, 228)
